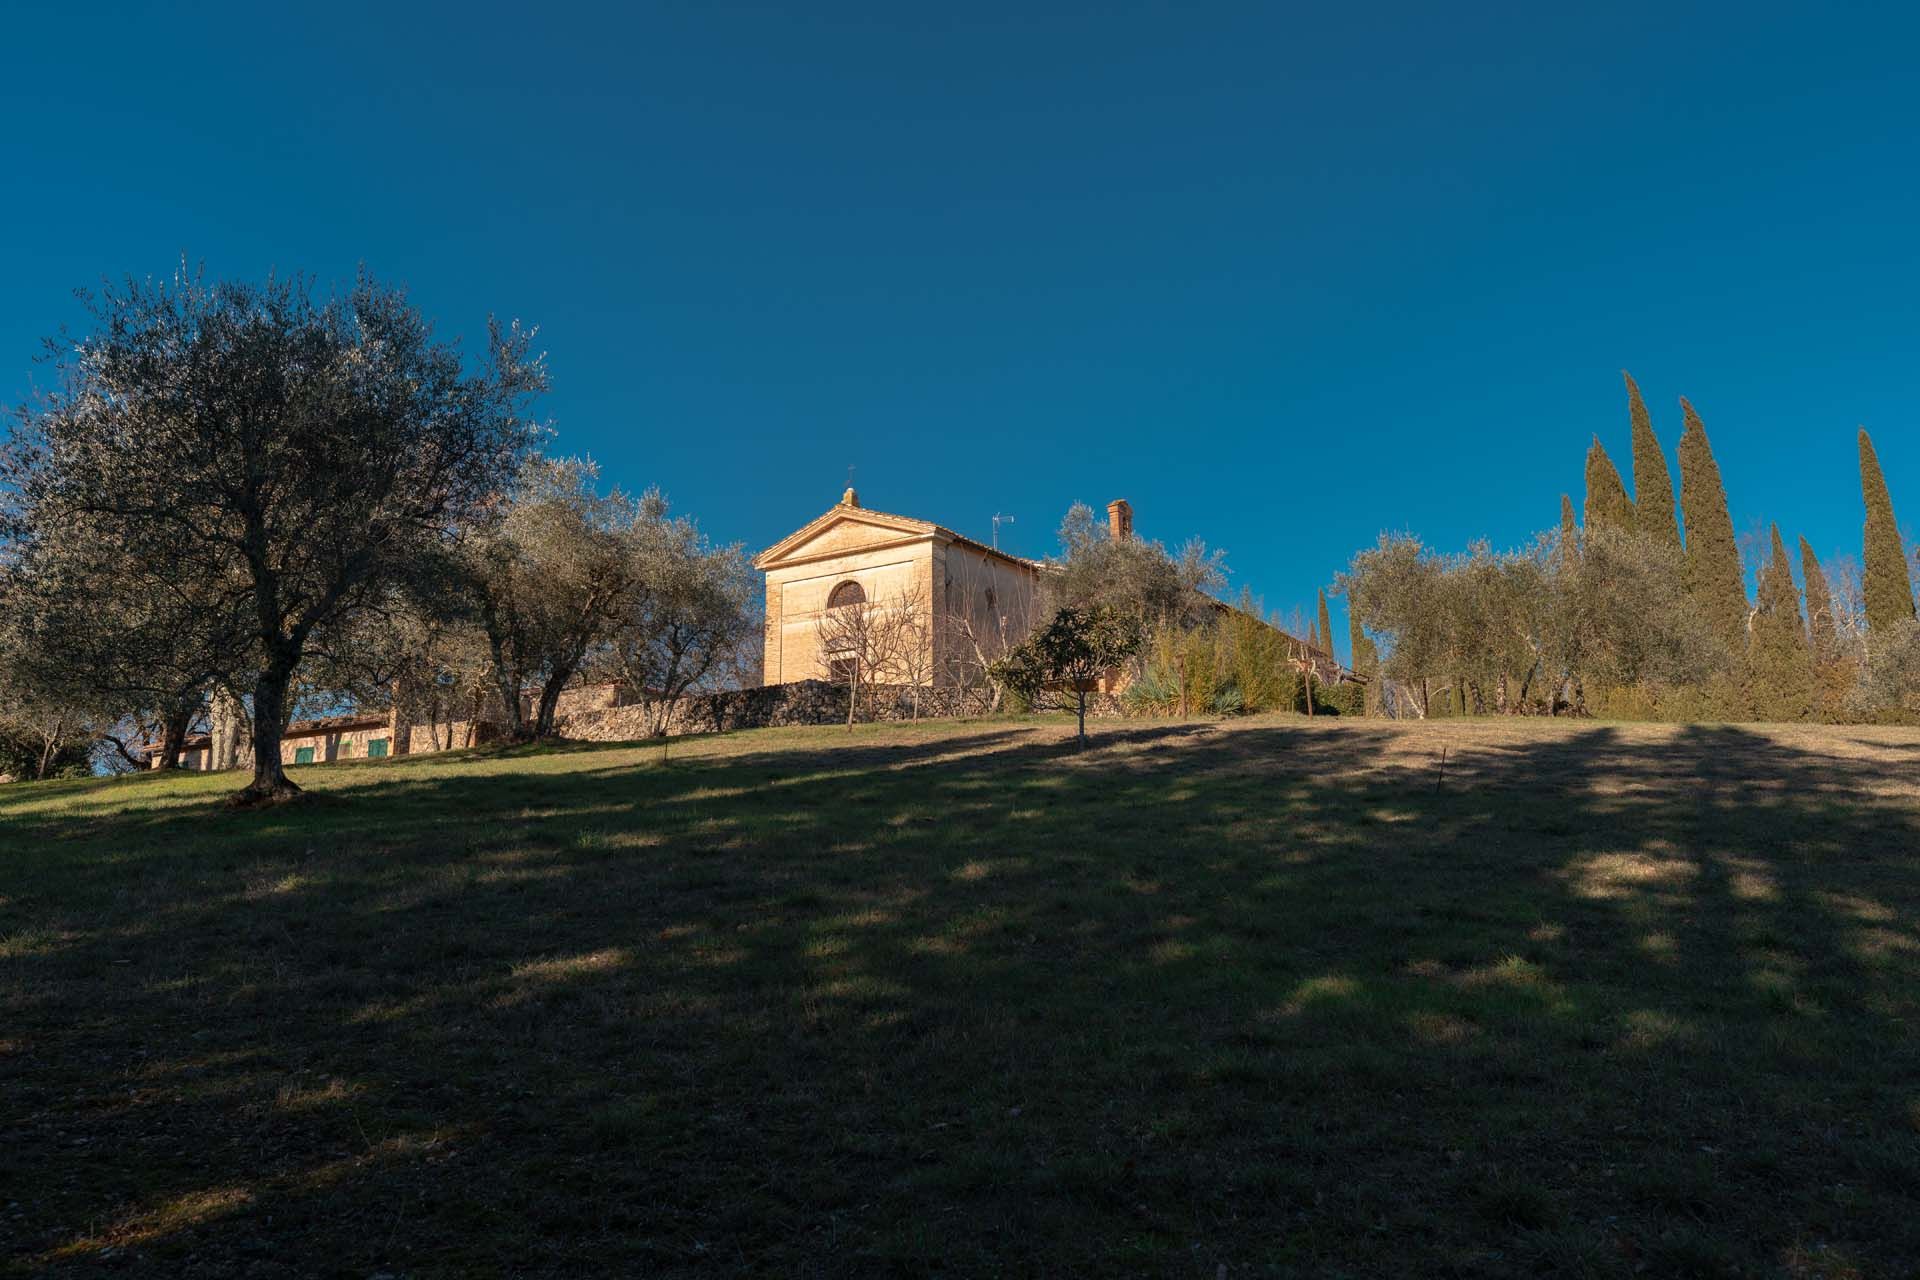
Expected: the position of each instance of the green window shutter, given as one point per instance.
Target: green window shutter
(303, 755)
(376, 747)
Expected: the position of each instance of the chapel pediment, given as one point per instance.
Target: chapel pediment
(842, 530)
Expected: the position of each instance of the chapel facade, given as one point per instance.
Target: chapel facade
(970, 601)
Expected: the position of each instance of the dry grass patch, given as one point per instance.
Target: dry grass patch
(1268, 996)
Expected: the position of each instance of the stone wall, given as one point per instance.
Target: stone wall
(802, 702)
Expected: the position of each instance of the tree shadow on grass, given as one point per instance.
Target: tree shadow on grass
(1600, 1001)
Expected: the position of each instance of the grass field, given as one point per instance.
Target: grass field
(1275, 996)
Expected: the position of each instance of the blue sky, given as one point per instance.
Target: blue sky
(1282, 276)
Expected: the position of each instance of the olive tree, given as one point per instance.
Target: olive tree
(1096, 570)
(550, 573)
(1397, 590)
(1532, 626)
(125, 636)
(1061, 663)
(1622, 616)
(687, 616)
(1889, 688)
(280, 455)
(45, 729)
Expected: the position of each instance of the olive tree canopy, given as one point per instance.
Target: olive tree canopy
(1061, 663)
(283, 458)
(1097, 570)
(549, 577)
(688, 615)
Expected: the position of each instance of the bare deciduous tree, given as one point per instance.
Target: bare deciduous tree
(861, 641)
(913, 646)
(982, 624)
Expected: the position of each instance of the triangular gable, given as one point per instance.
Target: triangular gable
(841, 530)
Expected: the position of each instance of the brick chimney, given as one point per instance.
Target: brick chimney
(1120, 518)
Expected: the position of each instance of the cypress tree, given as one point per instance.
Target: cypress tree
(1833, 673)
(1326, 623)
(1714, 577)
(1608, 506)
(1652, 482)
(1569, 526)
(1782, 675)
(1366, 661)
(1888, 589)
(1820, 631)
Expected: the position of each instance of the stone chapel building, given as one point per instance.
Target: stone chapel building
(974, 601)
(964, 592)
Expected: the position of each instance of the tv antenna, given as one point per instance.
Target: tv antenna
(999, 520)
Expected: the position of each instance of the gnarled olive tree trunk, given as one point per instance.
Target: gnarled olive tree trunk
(270, 781)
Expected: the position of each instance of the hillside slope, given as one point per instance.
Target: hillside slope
(1350, 998)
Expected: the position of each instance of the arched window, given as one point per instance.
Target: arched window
(846, 593)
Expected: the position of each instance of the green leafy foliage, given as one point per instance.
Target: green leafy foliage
(1096, 571)
(27, 754)
(1619, 617)
(1062, 662)
(277, 460)
(1836, 674)
(1345, 699)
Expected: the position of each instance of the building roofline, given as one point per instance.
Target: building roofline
(298, 729)
(908, 525)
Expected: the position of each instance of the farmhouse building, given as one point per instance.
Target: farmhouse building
(374, 736)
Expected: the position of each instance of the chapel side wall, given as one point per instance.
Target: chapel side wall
(797, 595)
(994, 597)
